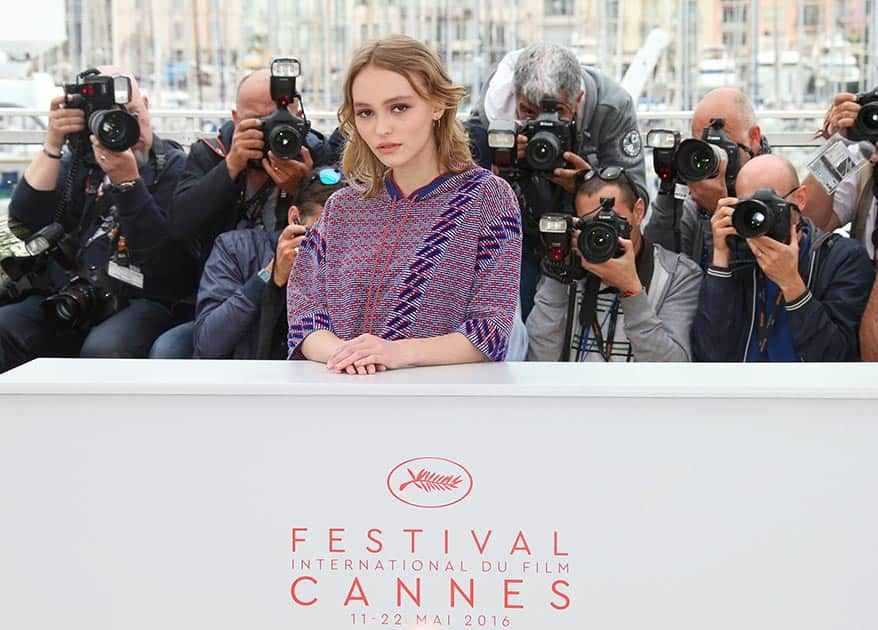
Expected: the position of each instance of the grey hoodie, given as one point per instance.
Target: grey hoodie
(657, 322)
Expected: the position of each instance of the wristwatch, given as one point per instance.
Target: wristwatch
(123, 186)
(264, 275)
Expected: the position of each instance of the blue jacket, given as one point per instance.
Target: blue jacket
(168, 266)
(824, 322)
(230, 294)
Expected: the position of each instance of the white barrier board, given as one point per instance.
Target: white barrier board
(215, 495)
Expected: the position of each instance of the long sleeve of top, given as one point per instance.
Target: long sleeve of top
(230, 295)
(444, 259)
(206, 198)
(662, 333)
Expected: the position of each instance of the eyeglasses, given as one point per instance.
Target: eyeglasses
(328, 176)
(606, 174)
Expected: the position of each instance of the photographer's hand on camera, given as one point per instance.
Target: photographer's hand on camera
(247, 143)
(843, 112)
(42, 172)
(62, 121)
(780, 262)
(620, 272)
(119, 166)
(288, 174)
(288, 244)
(722, 228)
(564, 177)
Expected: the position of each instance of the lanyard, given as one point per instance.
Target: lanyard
(765, 326)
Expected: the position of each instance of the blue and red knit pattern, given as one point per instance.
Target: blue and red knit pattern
(444, 259)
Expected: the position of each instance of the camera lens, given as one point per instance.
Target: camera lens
(697, 160)
(285, 142)
(752, 218)
(598, 243)
(72, 304)
(543, 151)
(867, 121)
(115, 129)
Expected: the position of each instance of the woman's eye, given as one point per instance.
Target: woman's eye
(400, 108)
(364, 113)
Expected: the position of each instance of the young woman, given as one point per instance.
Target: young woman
(417, 262)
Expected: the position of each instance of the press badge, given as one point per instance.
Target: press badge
(129, 275)
(681, 192)
(836, 161)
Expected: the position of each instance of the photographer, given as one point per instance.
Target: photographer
(111, 268)
(233, 182)
(786, 292)
(242, 294)
(869, 327)
(854, 201)
(229, 183)
(635, 306)
(545, 82)
(684, 226)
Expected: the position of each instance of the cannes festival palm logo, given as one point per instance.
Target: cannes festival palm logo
(430, 482)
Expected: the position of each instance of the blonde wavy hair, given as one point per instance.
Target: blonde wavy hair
(420, 66)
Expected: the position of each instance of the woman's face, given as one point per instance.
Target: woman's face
(392, 118)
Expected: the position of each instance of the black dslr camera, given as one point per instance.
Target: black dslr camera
(548, 137)
(763, 213)
(866, 125)
(599, 235)
(283, 131)
(696, 160)
(28, 274)
(103, 98)
(86, 299)
(598, 240)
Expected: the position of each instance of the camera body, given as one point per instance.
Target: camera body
(696, 160)
(103, 98)
(866, 125)
(283, 131)
(548, 137)
(598, 240)
(765, 213)
(664, 144)
(86, 299)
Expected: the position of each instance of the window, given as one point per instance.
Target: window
(811, 16)
(559, 7)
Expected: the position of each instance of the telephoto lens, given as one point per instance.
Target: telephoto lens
(285, 141)
(116, 129)
(697, 160)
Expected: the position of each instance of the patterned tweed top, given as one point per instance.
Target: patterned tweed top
(444, 259)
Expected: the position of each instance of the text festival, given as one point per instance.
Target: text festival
(461, 591)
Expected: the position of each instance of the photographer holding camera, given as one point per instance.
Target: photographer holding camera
(104, 272)
(570, 117)
(631, 300)
(248, 175)
(242, 293)
(854, 200)
(725, 135)
(778, 288)
(238, 179)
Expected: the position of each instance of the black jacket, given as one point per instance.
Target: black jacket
(207, 201)
(824, 322)
(168, 265)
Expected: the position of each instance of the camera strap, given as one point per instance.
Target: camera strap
(251, 209)
(765, 325)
